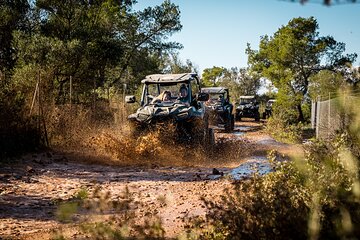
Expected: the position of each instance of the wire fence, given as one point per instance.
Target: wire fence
(328, 114)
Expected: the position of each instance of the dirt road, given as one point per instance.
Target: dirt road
(31, 190)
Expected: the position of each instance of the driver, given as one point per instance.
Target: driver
(183, 94)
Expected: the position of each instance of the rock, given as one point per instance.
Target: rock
(29, 169)
(217, 172)
(17, 177)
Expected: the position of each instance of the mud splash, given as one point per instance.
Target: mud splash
(257, 164)
(158, 148)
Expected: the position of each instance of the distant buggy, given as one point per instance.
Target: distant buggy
(174, 99)
(247, 108)
(268, 108)
(219, 107)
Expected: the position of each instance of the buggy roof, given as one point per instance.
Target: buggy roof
(170, 78)
(247, 97)
(214, 90)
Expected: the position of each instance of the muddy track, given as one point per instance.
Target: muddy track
(31, 190)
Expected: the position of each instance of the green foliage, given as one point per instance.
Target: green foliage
(239, 81)
(66, 211)
(211, 76)
(269, 207)
(172, 64)
(324, 83)
(249, 82)
(98, 46)
(314, 197)
(335, 201)
(293, 55)
(87, 40)
(13, 17)
(18, 132)
(284, 132)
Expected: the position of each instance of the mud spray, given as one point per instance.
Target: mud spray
(157, 148)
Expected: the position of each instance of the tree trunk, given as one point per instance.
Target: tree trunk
(301, 115)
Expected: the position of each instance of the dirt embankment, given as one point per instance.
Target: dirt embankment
(168, 186)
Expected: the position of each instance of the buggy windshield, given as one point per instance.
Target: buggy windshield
(215, 98)
(156, 93)
(244, 101)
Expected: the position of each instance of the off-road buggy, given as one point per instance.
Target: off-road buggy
(268, 108)
(219, 107)
(174, 99)
(247, 108)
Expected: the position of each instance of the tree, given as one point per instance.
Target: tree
(173, 64)
(211, 76)
(240, 82)
(293, 55)
(326, 82)
(13, 17)
(148, 30)
(249, 83)
(96, 43)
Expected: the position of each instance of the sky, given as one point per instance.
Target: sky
(216, 33)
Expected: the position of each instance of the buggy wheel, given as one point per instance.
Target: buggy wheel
(232, 122)
(237, 116)
(210, 138)
(257, 117)
(229, 126)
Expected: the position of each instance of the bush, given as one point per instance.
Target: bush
(270, 207)
(314, 197)
(18, 132)
(283, 131)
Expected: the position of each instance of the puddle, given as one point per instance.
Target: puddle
(269, 141)
(238, 134)
(242, 129)
(245, 170)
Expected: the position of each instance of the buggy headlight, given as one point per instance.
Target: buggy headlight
(183, 114)
(142, 116)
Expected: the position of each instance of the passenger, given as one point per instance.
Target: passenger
(183, 95)
(183, 91)
(166, 96)
(220, 99)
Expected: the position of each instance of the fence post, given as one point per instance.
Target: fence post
(70, 92)
(318, 118)
(329, 117)
(123, 100)
(313, 113)
(39, 101)
(34, 97)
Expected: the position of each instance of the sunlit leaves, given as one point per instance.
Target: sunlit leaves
(294, 54)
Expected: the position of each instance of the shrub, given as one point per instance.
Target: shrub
(270, 207)
(284, 132)
(18, 132)
(315, 197)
